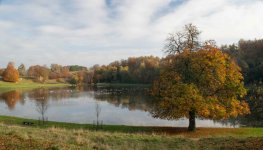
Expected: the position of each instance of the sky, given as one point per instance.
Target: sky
(88, 32)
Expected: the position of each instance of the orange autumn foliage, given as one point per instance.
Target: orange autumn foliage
(11, 98)
(207, 82)
(10, 74)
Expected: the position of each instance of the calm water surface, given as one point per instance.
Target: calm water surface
(122, 106)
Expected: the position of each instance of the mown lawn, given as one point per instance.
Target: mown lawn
(55, 135)
(27, 84)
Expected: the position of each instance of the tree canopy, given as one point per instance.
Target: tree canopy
(22, 70)
(249, 55)
(39, 73)
(206, 83)
(133, 70)
(188, 38)
(10, 74)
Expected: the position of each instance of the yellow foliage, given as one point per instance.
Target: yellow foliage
(206, 81)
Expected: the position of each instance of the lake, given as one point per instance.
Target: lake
(118, 106)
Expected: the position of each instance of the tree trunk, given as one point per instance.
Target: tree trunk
(191, 126)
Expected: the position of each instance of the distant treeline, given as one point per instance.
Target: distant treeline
(248, 54)
(133, 70)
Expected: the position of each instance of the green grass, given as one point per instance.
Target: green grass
(27, 84)
(111, 128)
(58, 135)
(17, 137)
(200, 132)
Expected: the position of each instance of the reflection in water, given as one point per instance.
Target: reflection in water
(130, 106)
(50, 94)
(11, 98)
(98, 111)
(232, 121)
(131, 98)
(40, 96)
(42, 108)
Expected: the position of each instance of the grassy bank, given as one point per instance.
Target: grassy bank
(27, 84)
(83, 136)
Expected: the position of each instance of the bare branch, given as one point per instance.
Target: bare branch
(188, 39)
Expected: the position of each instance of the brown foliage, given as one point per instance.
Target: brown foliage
(207, 82)
(11, 98)
(10, 74)
(39, 73)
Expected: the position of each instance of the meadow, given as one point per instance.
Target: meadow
(59, 135)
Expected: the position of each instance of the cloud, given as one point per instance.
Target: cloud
(88, 32)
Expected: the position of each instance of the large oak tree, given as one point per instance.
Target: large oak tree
(205, 83)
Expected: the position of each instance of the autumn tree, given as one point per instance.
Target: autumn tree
(10, 74)
(65, 72)
(56, 68)
(39, 73)
(81, 76)
(78, 78)
(58, 71)
(22, 70)
(132, 70)
(206, 83)
(89, 77)
(188, 38)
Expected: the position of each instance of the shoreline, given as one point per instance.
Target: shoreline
(247, 131)
(28, 84)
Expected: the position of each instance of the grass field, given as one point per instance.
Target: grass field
(55, 135)
(27, 84)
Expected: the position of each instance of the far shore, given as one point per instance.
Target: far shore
(29, 84)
